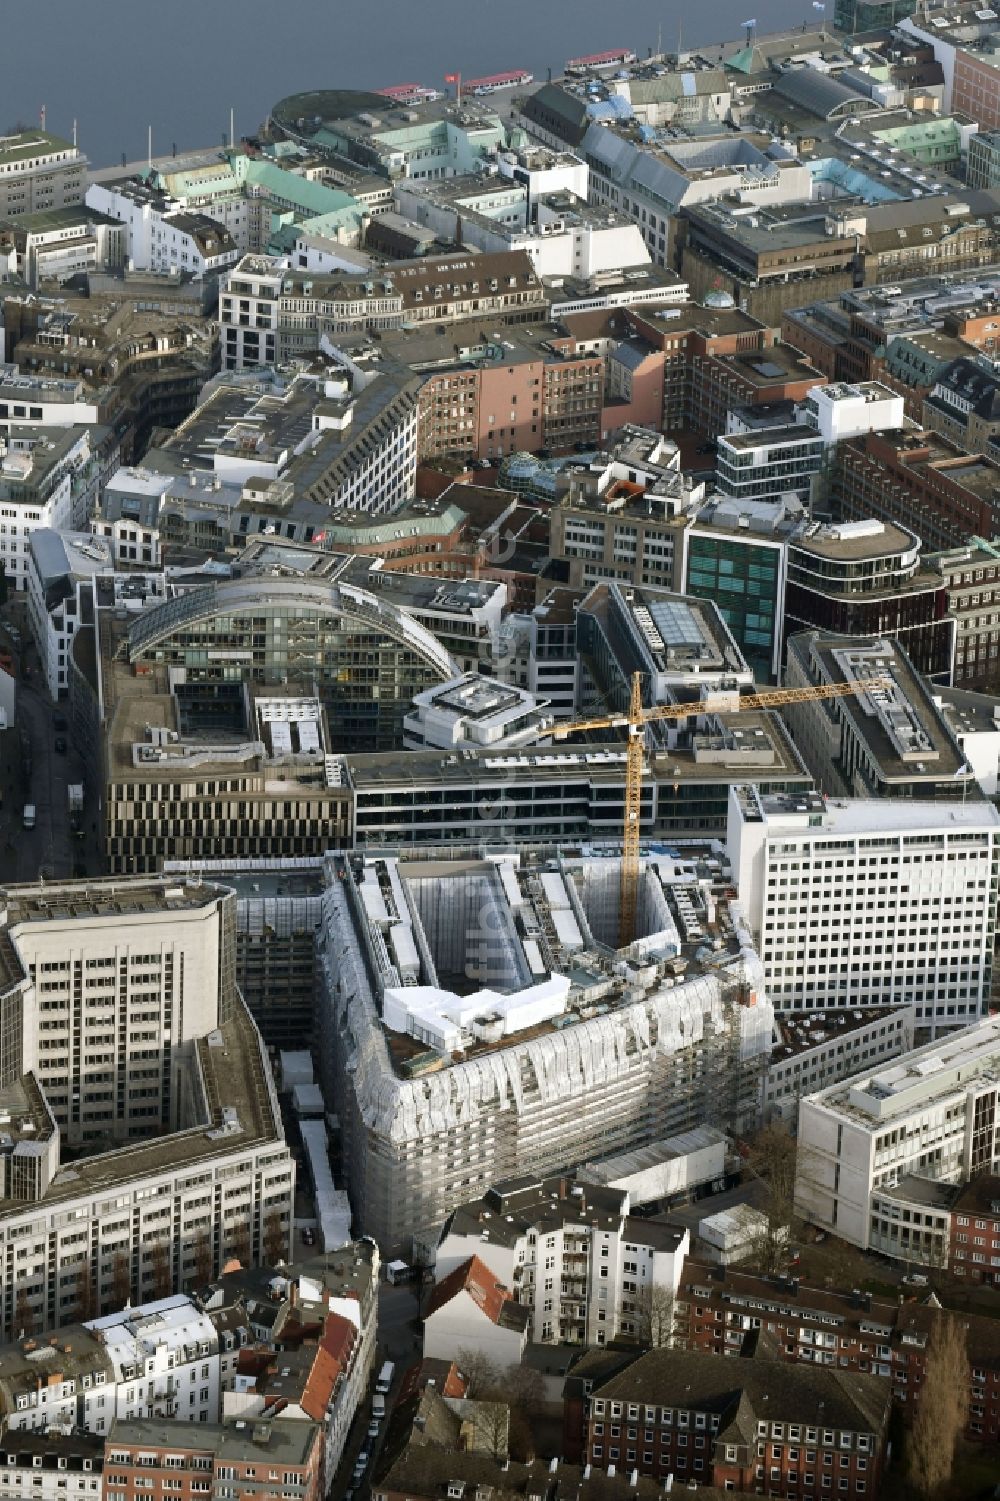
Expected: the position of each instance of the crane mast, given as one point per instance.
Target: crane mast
(634, 721)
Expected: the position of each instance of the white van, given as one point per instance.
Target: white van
(28, 817)
(384, 1381)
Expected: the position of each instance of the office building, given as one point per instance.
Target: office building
(682, 648)
(548, 1055)
(576, 1261)
(473, 711)
(892, 741)
(485, 397)
(284, 457)
(971, 576)
(39, 171)
(814, 1049)
(271, 313)
(768, 463)
(40, 488)
(55, 244)
(735, 553)
(869, 903)
(919, 480)
(965, 46)
(984, 159)
(124, 1035)
(964, 405)
(568, 794)
(931, 1116)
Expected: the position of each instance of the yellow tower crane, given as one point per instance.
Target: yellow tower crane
(634, 722)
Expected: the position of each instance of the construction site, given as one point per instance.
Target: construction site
(478, 1019)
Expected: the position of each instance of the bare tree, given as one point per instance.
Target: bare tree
(241, 1243)
(491, 1428)
(275, 1239)
(524, 1389)
(204, 1262)
(86, 1293)
(481, 1373)
(655, 1320)
(121, 1280)
(163, 1279)
(772, 1161)
(943, 1409)
(24, 1314)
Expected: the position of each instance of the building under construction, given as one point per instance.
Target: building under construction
(477, 1021)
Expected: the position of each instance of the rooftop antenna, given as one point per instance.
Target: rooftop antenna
(149, 145)
(74, 132)
(42, 116)
(232, 127)
(751, 27)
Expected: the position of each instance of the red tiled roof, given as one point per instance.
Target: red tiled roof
(475, 1278)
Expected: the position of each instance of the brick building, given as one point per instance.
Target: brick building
(921, 480)
(485, 399)
(746, 1425)
(253, 1459)
(715, 1310)
(971, 577)
(974, 1248)
(718, 357)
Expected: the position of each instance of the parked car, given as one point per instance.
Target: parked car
(373, 1428)
(916, 1279)
(308, 1236)
(59, 722)
(60, 745)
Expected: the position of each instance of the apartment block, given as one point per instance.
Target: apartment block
(51, 1466)
(854, 1332)
(214, 1459)
(869, 903)
(582, 1267)
(931, 1116)
(751, 1425)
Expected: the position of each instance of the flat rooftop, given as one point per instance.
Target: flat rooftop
(841, 659)
(606, 762)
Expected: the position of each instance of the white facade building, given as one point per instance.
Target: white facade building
(583, 1269)
(122, 1029)
(473, 711)
(869, 902)
(840, 411)
(161, 235)
(61, 566)
(38, 490)
(935, 1114)
(165, 1358)
(818, 1048)
(44, 401)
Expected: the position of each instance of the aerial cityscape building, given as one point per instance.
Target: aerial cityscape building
(500, 760)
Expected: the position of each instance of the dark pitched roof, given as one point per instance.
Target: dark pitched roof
(784, 1391)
